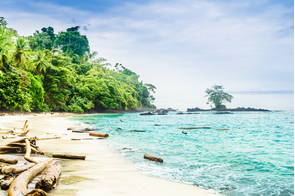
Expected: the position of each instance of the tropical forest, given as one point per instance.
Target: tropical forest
(58, 72)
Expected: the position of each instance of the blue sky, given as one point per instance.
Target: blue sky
(183, 47)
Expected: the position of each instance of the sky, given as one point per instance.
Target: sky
(182, 47)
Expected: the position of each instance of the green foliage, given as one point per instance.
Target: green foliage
(36, 90)
(46, 72)
(216, 95)
(72, 42)
(78, 105)
(11, 95)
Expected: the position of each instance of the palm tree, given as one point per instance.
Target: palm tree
(40, 62)
(22, 48)
(150, 87)
(5, 46)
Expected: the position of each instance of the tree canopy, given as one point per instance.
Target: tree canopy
(217, 96)
(59, 72)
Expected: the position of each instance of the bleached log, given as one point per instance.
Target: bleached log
(15, 169)
(50, 177)
(19, 186)
(28, 153)
(7, 159)
(8, 136)
(6, 181)
(47, 137)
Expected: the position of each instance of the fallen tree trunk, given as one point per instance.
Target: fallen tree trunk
(68, 156)
(9, 148)
(28, 152)
(47, 137)
(7, 159)
(50, 177)
(6, 181)
(222, 129)
(37, 192)
(8, 136)
(99, 134)
(19, 186)
(153, 158)
(194, 128)
(15, 169)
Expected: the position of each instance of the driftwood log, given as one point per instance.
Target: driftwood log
(68, 156)
(28, 152)
(6, 181)
(194, 128)
(7, 159)
(99, 134)
(47, 137)
(153, 158)
(15, 169)
(37, 192)
(50, 177)
(19, 186)
(222, 129)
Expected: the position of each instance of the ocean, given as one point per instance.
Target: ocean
(253, 154)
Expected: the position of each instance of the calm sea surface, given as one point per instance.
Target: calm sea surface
(254, 157)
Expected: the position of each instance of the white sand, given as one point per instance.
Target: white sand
(104, 172)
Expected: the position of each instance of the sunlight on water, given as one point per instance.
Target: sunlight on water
(254, 157)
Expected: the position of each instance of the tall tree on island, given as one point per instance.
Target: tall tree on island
(217, 96)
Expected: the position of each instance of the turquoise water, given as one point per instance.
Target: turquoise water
(254, 157)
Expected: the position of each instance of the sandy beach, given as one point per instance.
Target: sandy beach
(104, 172)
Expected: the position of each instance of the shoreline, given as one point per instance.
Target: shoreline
(104, 171)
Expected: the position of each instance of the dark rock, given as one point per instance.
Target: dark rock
(137, 131)
(184, 132)
(223, 113)
(147, 113)
(179, 113)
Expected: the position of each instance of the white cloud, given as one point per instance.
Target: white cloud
(184, 47)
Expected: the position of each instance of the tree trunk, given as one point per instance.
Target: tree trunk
(49, 179)
(153, 158)
(7, 159)
(15, 169)
(68, 156)
(19, 186)
(47, 137)
(28, 152)
(37, 192)
(6, 181)
(99, 134)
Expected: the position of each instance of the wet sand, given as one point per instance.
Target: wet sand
(104, 172)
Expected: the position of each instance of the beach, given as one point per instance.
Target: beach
(104, 172)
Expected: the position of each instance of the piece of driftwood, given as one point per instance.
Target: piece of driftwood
(99, 134)
(222, 129)
(15, 169)
(47, 137)
(75, 139)
(37, 192)
(68, 156)
(79, 131)
(7, 159)
(10, 148)
(6, 181)
(71, 128)
(19, 186)
(194, 128)
(50, 177)
(153, 158)
(28, 152)
(8, 136)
